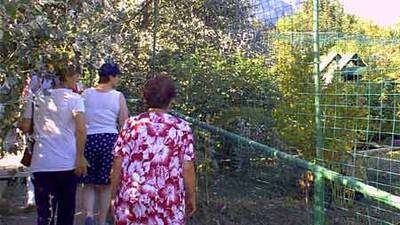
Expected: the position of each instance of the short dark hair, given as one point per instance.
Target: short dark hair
(104, 80)
(106, 70)
(159, 91)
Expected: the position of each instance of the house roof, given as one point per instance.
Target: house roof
(343, 61)
(347, 58)
(327, 60)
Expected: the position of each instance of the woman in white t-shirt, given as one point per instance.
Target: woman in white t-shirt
(106, 109)
(59, 132)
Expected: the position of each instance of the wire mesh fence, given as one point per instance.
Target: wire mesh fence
(360, 126)
(249, 67)
(358, 101)
(238, 185)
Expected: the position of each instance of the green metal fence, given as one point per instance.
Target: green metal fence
(370, 192)
(294, 103)
(345, 100)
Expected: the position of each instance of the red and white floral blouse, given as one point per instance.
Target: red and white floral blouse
(153, 147)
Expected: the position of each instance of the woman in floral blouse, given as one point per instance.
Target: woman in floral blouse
(153, 174)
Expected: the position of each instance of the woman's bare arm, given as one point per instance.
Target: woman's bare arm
(81, 163)
(25, 125)
(123, 111)
(115, 175)
(189, 178)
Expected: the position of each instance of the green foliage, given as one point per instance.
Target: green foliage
(332, 18)
(207, 47)
(353, 113)
(197, 44)
(213, 86)
(36, 32)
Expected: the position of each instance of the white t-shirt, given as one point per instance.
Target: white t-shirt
(102, 110)
(54, 130)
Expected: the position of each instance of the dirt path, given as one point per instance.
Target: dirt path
(230, 199)
(12, 210)
(221, 210)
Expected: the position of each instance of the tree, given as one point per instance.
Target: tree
(349, 117)
(37, 32)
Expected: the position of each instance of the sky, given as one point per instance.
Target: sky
(382, 12)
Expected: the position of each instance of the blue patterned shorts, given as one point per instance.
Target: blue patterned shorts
(98, 153)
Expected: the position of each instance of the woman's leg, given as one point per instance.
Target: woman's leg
(88, 199)
(45, 197)
(105, 162)
(88, 191)
(104, 200)
(30, 192)
(66, 197)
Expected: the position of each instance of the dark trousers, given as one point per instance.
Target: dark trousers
(55, 195)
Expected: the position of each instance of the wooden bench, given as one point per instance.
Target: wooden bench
(11, 169)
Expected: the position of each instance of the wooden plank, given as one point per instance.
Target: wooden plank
(378, 150)
(10, 167)
(12, 176)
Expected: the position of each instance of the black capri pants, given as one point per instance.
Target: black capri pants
(55, 197)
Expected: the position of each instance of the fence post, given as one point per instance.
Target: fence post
(319, 186)
(155, 24)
